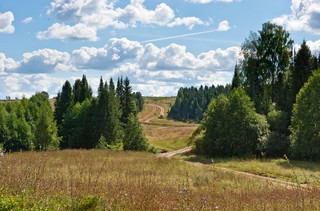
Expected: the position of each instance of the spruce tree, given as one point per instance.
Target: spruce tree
(236, 80)
(77, 91)
(114, 131)
(63, 102)
(134, 138)
(302, 68)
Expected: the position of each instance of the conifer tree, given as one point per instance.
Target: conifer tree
(114, 131)
(302, 68)
(134, 138)
(236, 80)
(63, 102)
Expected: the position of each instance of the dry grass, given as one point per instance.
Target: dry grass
(103, 180)
(163, 133)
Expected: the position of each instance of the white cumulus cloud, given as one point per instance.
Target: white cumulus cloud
(305, 16)
(85, 18)
(64, 32)
(6, 20)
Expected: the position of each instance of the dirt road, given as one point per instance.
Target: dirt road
(153, 113)
(275, 181)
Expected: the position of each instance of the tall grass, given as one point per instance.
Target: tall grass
(103, 180)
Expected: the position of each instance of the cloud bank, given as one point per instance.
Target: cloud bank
(86, 18)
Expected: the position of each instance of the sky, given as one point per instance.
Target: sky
(161, 45)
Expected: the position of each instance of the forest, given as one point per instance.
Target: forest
(272, 109)
(191, 103)
(77, 119)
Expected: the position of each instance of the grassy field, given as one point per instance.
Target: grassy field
(104, 180)
(299, 172)
(163, 133)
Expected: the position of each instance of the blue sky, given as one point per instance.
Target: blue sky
(160, 45)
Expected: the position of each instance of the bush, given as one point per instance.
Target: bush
(305, 137)
(232, 127)
(278, 143)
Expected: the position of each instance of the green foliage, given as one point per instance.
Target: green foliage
(78, 127)
(63, 102)
(81, 90)
(133, 135)
(27, 124)
(278, 143)
(232, 127)
(236, 80)
(191, 102)
(302, 68)
(305, 126)
(139, 101)
(265, 65)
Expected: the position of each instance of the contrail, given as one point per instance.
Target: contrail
(179, 36)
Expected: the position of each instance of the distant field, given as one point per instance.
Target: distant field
(104, 180)
(163, 133)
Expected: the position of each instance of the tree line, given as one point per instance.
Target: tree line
(191, 103)
(79, 120)
(272, 107)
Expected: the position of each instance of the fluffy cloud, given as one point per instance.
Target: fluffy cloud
(19, 85)
(210, 1)
(90, 16)
(6, 20)
(224, 26)
(7, 63)
(305, 15)
(115, 52)
(63, 32)
(27, 20)
(175, 57)
(152, 70)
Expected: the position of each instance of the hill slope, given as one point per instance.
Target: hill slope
(163, 133)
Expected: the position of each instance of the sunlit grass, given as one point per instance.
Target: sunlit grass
(103, 180)
(163, 133)
(293, 171)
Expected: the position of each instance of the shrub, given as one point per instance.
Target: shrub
(232, 127)
(305, 137)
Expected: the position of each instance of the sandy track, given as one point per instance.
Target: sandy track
(147, 118)
(289, 185)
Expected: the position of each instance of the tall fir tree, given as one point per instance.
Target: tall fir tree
(236, 80)
(302, 68)
(114, 130)
(63, 102)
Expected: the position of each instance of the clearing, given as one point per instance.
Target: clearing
(162, 133)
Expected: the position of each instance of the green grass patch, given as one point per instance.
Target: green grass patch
(294, 171)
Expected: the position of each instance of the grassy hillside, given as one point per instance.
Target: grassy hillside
(163, 133)
(103, 180)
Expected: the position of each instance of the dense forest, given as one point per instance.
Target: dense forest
(273, 107)
(79, 120)
(192, 102)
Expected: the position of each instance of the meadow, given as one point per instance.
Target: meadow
(106, 180)
(162, 133)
